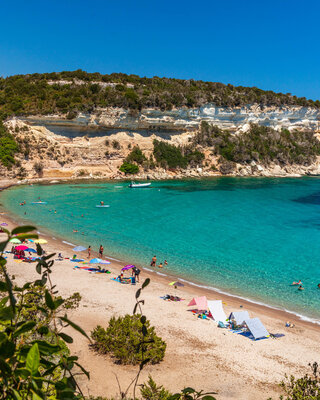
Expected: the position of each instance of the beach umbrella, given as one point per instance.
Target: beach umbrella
(127, 267)
(40, 241)
(176, 284)
(15, 240)
(4, 224)
(21, 247)
(31, 250)
(105, 262)
(79, 248)
(95, 261)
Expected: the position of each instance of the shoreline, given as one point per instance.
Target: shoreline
(164, 276)
(216, 359)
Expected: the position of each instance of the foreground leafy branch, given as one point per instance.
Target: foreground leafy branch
(34, 358)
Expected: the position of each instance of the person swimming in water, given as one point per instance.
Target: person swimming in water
(300, 287)
(153, 261)
(101, 203)
(297, 283)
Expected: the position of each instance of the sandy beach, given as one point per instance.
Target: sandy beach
(198, 353)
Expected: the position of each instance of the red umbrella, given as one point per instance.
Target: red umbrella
(22, 247)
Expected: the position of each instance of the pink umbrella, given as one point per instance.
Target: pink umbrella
(4, 224)
(200, 303)
(22, 247)
(127, 267)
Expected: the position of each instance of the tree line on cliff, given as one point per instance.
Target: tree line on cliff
(74, 91)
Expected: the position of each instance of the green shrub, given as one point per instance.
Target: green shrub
(123, 337)
(116, 145)
(151, 391)
(306, 387)
(168, 155)
(136, 156)
(261, 144)
(38, 167)
(128, 168)
(8, 147)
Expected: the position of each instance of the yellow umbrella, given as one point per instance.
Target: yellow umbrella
(40, 241)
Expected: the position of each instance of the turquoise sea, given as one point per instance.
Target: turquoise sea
(250, 237)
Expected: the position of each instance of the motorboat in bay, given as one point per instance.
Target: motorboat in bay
(139, 185)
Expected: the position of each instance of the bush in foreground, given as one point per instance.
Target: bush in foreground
(123, 337)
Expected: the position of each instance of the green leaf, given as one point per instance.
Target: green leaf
(143, 319)
(58, 302)
(138, 292)
(23, 373)
(33, 359)
(65, 337)
(38, 268)
(3, 245)
(74, 326)
(188, 390)
(208, 397)
(46, 348)
(24, 328)
(145, 283)
(5, 368)
(22, 229)
(27, 236)
(16, 395)
(6, 314)
(49, 300)
(83, 370)
(3, 287)
(43, 330)
(7, 348)
(35, 396)
(11, 295)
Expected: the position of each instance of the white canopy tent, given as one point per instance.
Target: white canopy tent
(216, 309)
(256, 328)
(239, 316)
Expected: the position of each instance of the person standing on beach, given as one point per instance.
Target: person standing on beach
(153, 261)
(89, 251)
(101, 251)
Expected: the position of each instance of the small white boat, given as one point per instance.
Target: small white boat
(139, 185)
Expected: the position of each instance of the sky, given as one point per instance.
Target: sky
(273, 45)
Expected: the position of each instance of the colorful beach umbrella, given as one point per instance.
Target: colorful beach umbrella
(127, 267)
(15, 240)
(21, 247)
(79, 248)
(176, 284)
(4, 224)
(95, 261)
(105, 262)
(40, 241)
(31, 250)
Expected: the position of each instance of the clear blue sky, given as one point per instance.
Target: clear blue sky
(269, 44)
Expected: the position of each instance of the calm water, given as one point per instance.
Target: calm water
(248, 236)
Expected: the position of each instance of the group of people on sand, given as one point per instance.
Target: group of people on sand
(154, 262)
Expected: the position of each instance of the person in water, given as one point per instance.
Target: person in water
(318, 285)
(165, 262)
(100, 251)
(300, 287)
(160, 265)
(101, 203)
(153, 261)
(89, 251)
(297, 283)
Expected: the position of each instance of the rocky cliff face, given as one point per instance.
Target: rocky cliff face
(182, 119)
